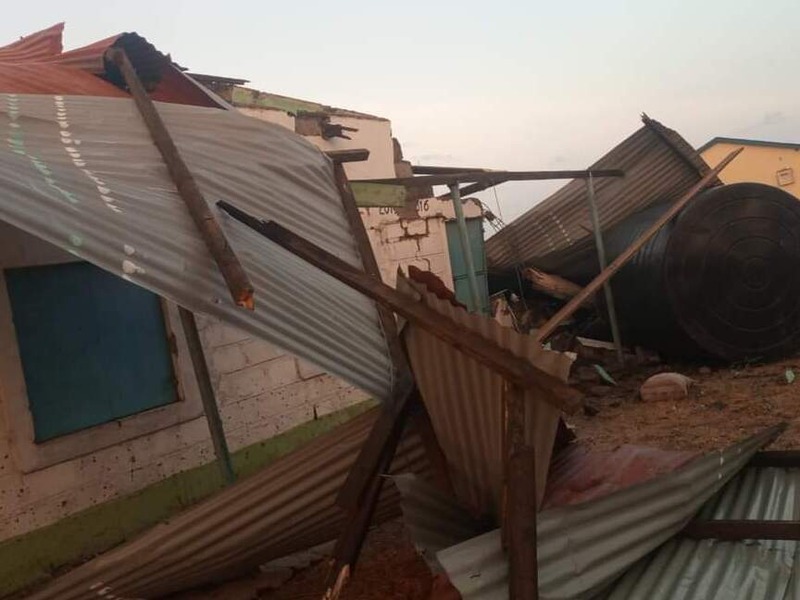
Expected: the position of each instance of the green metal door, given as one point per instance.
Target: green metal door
(459, 265)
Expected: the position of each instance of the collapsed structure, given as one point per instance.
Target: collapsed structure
(714, 282)
(469, 410)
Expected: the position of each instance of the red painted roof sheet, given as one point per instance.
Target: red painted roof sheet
(36, 64)
(38, 46)
(37, 78)
(579, 474)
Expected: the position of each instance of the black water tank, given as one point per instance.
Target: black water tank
(720, 280)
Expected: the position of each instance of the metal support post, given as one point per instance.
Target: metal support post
(463, 236)
(601, 257)
(207, 394)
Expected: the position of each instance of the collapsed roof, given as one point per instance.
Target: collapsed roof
(80, 171)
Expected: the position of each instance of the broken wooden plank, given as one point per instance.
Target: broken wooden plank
(512, 367)
(568, 309)
(735, 530)
(551, 285)
(207, 396)
(520, 518)
(492, 176)
(378, 443)
(345, 156)
(232, 271)
(782, 459)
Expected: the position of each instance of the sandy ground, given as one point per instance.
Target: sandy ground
(724, 405)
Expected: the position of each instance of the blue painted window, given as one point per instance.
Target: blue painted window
(93, 347)
(459, 264)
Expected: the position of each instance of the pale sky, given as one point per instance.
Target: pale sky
(504, 85)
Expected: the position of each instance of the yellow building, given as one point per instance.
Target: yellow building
(773, 163)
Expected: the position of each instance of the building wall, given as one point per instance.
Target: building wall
(398, 243)
(261, 392)
(761, 164)
(374, 134)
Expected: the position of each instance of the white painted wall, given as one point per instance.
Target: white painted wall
(374, 134)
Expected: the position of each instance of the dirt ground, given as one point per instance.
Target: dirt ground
(389, 568)
(725, 404)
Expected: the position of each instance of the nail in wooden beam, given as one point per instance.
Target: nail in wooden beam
(512, 367)
(238, 283)
(520, 521)
(570, 307)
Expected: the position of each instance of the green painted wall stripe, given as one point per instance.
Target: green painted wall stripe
(33, 557)
(378, 194)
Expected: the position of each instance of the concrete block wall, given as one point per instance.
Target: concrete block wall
(263, 391)
(422, 242)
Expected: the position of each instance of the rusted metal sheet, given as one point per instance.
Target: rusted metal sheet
(36, 65)
(465, 402)
(583, 548)
(578, 474)
(558, 229)
(286, 507)
(53, 79)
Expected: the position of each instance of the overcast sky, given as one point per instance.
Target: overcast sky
(506, 85)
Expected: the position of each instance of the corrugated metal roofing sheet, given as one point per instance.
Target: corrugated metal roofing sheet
(35, 47)
(658, 166)
(585, 547)
(286, 507)
(36, 78)
(578, 474)
(37, 65)
(684, 569)
(465, 402)
(83, 174)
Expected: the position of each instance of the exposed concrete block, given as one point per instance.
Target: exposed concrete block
(418, 227)
(429, 245)
(392, 232)
(235, 356)
(255, 380)
(214, 334)
(404, 249)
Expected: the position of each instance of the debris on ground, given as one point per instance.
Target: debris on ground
(728, 402)
(663, 387)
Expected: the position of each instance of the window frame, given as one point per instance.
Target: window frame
(32, 456)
